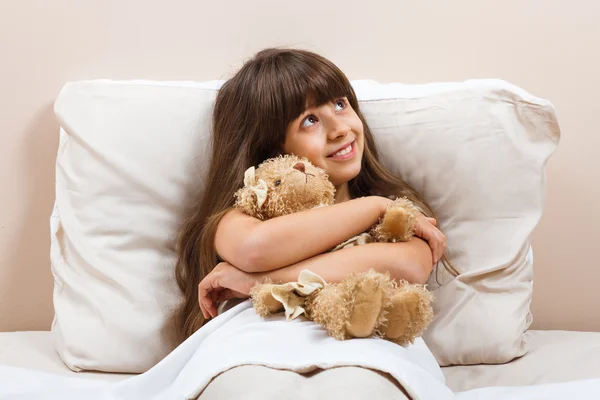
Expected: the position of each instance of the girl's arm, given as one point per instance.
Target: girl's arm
(258, 246)
(410, 260)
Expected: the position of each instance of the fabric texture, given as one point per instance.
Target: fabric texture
(563, 358)
(553, 357)
(297, 345)
(249, 382)
(130, 159)
(292, 295)
(133, 154)
(477, 153)
(34, 350)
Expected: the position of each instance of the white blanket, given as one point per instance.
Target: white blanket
(240, 337)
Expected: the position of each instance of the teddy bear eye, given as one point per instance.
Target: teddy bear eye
(278, 182)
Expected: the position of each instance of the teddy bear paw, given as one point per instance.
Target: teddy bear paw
(408, 315)
(398, 222)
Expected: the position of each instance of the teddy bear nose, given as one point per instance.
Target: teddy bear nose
(300, 167)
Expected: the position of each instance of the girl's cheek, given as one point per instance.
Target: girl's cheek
(357, 123)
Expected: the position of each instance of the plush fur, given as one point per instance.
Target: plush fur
(367, 304)
(286, 189)
(397, 225)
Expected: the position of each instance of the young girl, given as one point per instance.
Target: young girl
(286, 101)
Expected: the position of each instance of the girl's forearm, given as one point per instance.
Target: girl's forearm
(411, 261)
(289, 239)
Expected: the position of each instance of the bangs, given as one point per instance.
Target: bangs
(323, 89)
(308, 82)
(277, 87)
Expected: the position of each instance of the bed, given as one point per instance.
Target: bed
(554, 357)
(117, 212)
(35, 350)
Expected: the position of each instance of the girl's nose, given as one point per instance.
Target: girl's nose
(300, 167)
(340, 129)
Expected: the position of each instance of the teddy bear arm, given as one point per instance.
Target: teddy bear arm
(263, 301)
(397, 223)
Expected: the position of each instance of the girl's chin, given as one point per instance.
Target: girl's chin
(341, 177)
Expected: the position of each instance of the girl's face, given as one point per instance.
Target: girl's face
(330, 136)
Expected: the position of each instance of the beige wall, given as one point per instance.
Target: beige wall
(549, 47)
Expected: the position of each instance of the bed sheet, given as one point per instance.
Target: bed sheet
(554, 357)
(34, 350)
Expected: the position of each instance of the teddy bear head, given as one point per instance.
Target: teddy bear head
(283, 185)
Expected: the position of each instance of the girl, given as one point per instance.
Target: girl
(285, 101)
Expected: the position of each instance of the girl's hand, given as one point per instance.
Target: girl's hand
(224, 282)
(426, 229)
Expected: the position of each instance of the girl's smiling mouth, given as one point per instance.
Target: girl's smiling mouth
(344, 153)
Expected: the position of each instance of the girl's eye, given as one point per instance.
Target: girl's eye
(310, 120)
(341, 104)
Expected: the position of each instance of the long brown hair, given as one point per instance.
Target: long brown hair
(251, 114)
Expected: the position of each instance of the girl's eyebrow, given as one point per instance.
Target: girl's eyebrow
(307, 110)
(310, 107)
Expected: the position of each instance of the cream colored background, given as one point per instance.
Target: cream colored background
(549, 47)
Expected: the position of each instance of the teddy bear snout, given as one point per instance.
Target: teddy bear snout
(300, 167)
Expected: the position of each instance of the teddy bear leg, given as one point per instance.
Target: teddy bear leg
(408, 315)
(366, 310)
(263, 301)
(326, 308)
(353, 307)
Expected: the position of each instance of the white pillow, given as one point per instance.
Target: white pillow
(131, 154)
(477, 152)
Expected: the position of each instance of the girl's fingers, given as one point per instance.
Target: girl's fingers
(202, 291)
(205, 306)
(204, 300)
(214, 294)
(204, 313)
(442, 246)
(207, 290)
(435, 238)
(225, 295)
(212, 310)
(436, 242)
(201, 300)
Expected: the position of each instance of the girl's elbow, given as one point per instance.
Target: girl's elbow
(412, 273)
(416, 265)
(252, 256)
(422, 273)
(254, 262)
(423, 266)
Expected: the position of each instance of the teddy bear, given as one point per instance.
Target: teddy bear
(366, 304)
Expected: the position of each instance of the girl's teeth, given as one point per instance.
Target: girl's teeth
(343, 152)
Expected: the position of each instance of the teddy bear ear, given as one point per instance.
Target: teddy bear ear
(249, 177)
(260, 190)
